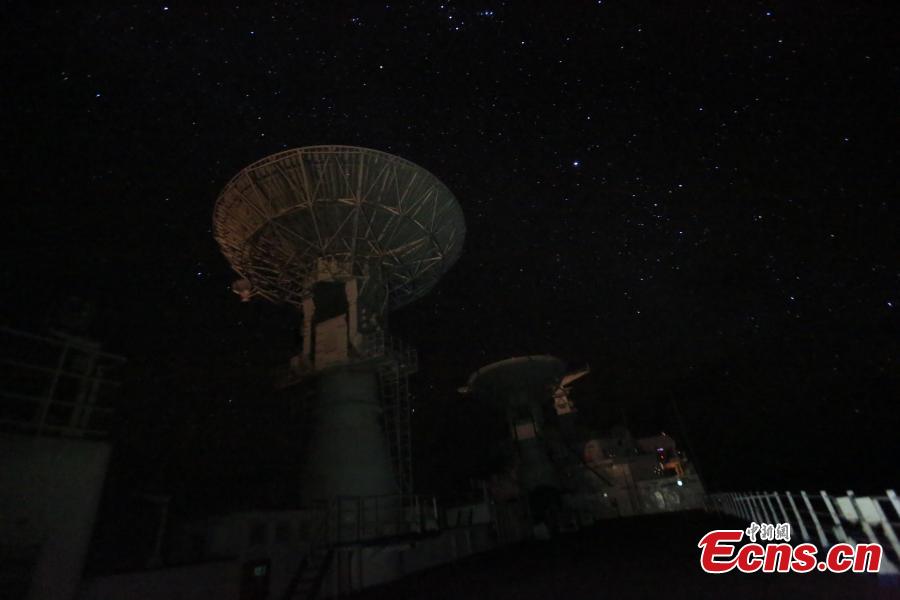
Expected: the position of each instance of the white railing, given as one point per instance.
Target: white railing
(823, 519)
(55, 385)
(360, 519)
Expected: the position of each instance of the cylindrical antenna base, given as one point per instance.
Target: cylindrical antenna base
(348, 455)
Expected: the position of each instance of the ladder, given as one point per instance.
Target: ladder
(395, 404)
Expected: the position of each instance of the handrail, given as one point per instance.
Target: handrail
(822, 518)
(392, 508)
(363, 519)
(61, 385)
(64, 340)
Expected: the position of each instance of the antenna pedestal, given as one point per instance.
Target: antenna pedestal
(535, 469)
(347, 455)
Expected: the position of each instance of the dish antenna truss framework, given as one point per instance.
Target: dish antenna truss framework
(331, 213)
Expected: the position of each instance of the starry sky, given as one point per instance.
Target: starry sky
(698, 199)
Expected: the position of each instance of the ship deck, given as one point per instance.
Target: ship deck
(639, 557)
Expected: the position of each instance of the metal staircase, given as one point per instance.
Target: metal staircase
(306, 584)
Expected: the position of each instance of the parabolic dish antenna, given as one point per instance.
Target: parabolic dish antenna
(335, 213)
(344, 234)
(521, 379)
(522, 385)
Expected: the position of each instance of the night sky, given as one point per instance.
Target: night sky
(697, 199)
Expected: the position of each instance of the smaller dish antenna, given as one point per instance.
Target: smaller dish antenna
(243, 288)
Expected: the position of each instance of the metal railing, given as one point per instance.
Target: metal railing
(55, 385)
(823, 519)
(377, 343)
(361, 519)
